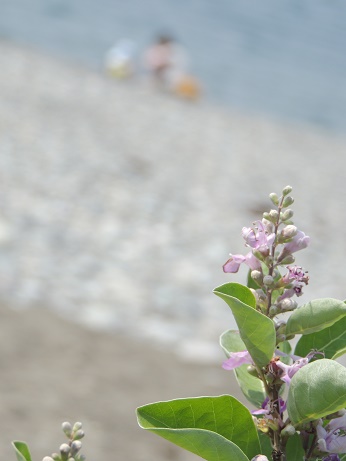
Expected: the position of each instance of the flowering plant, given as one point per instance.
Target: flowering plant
(68, 451)
(299, 392)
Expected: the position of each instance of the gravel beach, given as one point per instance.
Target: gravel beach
(119, 206)
(54, 371)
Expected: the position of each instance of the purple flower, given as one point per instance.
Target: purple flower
(258, 238)
(337, 423)
(299, 242)
(290, 370)
(295, 279)
(266, 409)
(272, 414)
(236, 359)
(295, 274)
(332, 437)
(331, 457)
(233, 264)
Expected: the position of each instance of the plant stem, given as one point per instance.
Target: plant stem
(272, 265)
(312, 446)
(278, 453)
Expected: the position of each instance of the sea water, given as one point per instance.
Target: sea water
(284, 58)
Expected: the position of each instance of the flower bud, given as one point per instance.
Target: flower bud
(280, 326)
(252, 371)
(289, 231)
(268, 226)
(260, 458)
(288, 304)
(257, 276)
(47, 458)
(287, 201)
(287, 214)
(260, 295)
(268, 217)
(56, 457)
(274, 198)
(77, 426)
(288, 431)
(274, 215)
(67, 428)
(64, 448)
(280, 338)
(64, 451)
(76, 445)
(286, 190)
(268, 280)
(78, 435)
(273, 310)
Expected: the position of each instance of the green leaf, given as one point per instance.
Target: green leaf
(251, 386)
(266, 446)
(22, 451)
(239, 291)
(315, 316)
(294, 449)
(331, 341)
(316, 390)
(256, 330)
(214, 428)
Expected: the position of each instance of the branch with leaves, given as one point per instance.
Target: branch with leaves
(300, 394)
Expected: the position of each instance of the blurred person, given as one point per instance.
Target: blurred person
(167, 63)
(119, 60)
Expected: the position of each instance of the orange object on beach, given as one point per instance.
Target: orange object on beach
(187, 87)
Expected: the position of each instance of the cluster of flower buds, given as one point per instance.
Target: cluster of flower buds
(69, 451)
(272, 242)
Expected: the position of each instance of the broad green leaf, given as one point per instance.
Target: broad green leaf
(266, 446)
(251, 386)
(256, 330)
(315, 316)
(294, 449)
(331, 341)
(214, 428)
(316, 390)
(22, 451)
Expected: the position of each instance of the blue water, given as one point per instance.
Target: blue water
(283, 58)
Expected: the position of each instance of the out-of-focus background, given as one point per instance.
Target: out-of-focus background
(122, 195)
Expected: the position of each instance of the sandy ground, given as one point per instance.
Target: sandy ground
(53, 371)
